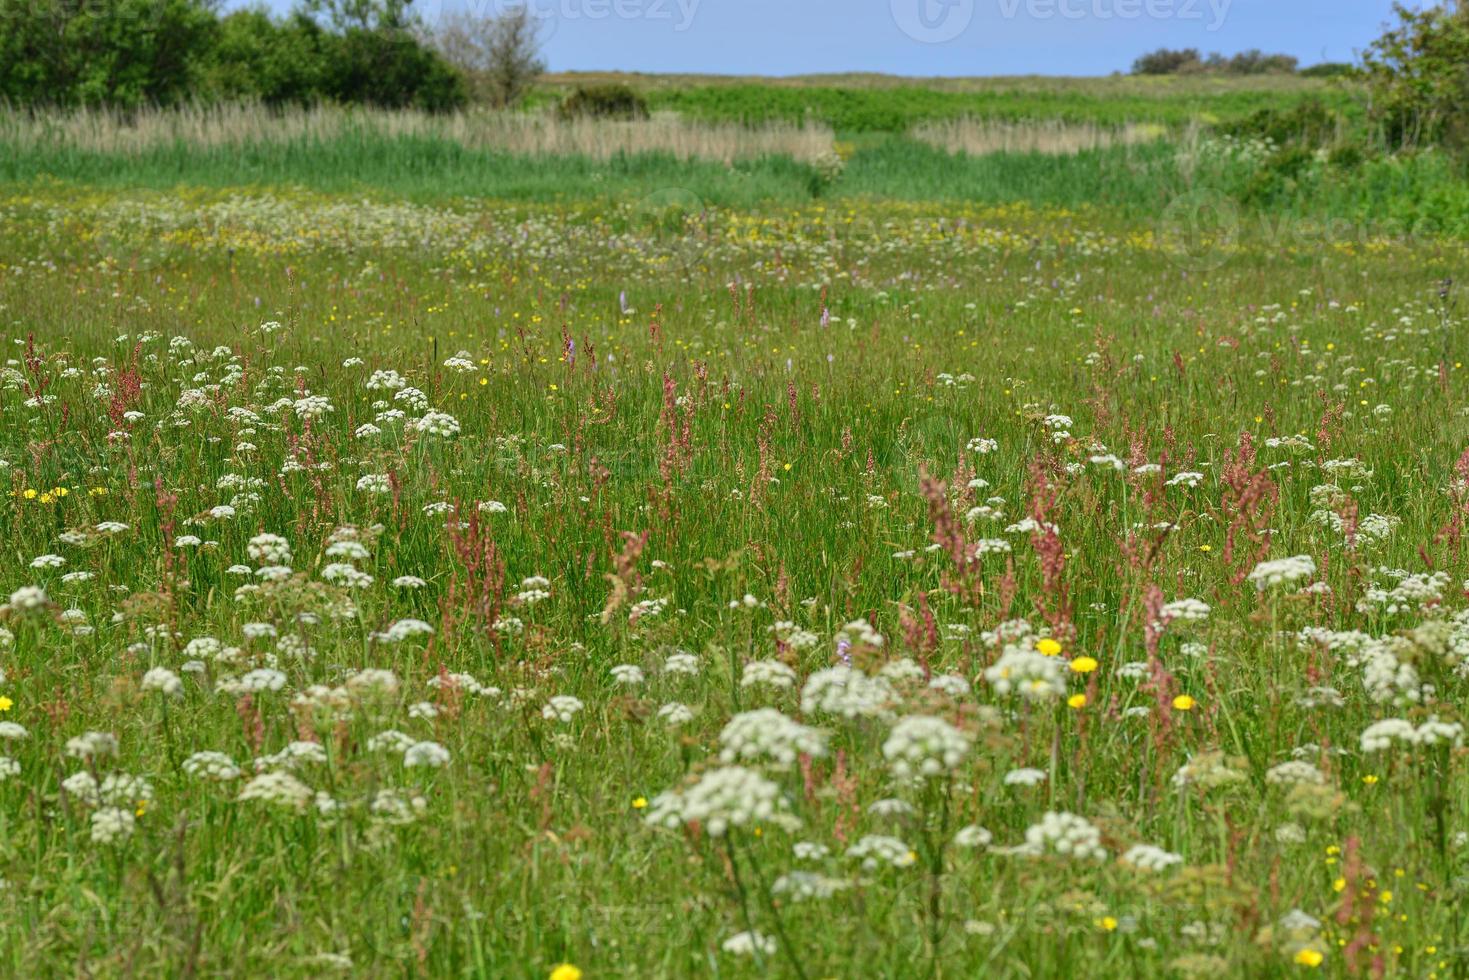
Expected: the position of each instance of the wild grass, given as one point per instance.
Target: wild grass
(716, 442)
(232, 126)
(980, 137)
(894, 107)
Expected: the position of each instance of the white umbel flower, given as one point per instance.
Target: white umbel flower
(562, 708)
(923, 746)
(1147, 857)
(112, 824)
(1064, 835)
(1029, 673)
(430, 755)
(163, 680)
(1282, 572)
(766, 734)
(723, 799)
(846, 692)
(768, 673)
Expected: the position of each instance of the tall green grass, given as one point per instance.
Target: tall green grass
(896, 109)
(421, 169)
(1426, 192)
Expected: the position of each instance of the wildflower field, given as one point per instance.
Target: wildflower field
(627, 588)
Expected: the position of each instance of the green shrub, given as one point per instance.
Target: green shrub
(1328, 69)
(390, 68)
(125, 53)
(259, 58)
(1309, 124)
(604, 102)
(133, 53)
(1184, 61)
(1418, 75)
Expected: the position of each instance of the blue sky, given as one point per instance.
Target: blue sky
(926, 37)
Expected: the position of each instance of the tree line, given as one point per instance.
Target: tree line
(132, 53)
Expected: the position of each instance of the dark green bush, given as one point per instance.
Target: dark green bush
(1310, 124)
(276, 62)
(1418, 75)
(132, 53)
(390, 68)
(604, 102)
(1328, 69)
(124, 53)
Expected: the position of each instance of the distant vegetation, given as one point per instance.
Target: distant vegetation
(604, 102)
(896, 108)
(1167, 61)
(155, 92)
(143, 53)
(1418, 74)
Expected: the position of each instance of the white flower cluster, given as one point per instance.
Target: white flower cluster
(403, 629)
(269, 549)
(1063, 834)
(768, 673)
(1147, 857)
(860, 632)
(111, 824)
(439, 424)
(924, 746)
(211, 765)
(749, 944)
(628, 674)
(846, 692)
(1185, 611)
(794, 636)
(876, 851)
(766, 734)
(429, 755)
(1294, 771)
(279, 789)
(562, 708)
(1412, 593)
(1282, 572)
(28, 598)
(1029, 673)
(163, 680)
(805, 886)
(724, 798)
(1381, 735)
